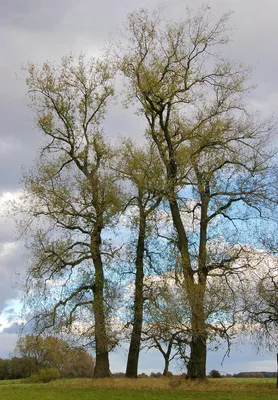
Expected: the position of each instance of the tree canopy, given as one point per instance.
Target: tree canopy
(180, 204)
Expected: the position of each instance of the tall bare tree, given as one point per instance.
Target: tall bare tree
(71, 197)
(142, 168)
(214, 152)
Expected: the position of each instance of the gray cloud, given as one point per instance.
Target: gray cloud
(13, 328)
(7, 231)
(37, 30)
(11, 264)
(7, 344)
(32, 15)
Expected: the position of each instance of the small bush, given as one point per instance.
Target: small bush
(215, 374)
(156, 375)
(143, 375)
(44, 375)
(118, 375)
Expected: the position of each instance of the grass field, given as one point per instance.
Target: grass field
(143, 388)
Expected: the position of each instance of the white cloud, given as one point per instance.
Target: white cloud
(6, 198)
(10, 251)
(261, 365)
(7, 344)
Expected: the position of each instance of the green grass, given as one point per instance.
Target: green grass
(141, 389)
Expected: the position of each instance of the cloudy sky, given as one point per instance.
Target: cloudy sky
(39, 30)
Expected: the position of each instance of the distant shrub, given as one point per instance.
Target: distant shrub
(118, 375)
(44, 375)
(215, 374)
(156, 375)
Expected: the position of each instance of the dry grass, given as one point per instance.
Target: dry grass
(174, 383)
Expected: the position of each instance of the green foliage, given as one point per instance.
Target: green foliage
(50, 351)
(17, 367)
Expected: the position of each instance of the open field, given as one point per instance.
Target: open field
(143, 388)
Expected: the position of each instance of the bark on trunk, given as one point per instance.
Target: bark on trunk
(102, 365)
(196, 368)
(135, 341)
(197, 361)
(196, 291)
(182, 239)
(102, 361)
(166, 367)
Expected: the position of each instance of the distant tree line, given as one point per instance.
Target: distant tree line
(36, 353)
(261, 374)
(213, 374)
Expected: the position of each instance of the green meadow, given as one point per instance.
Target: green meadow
(142, 388)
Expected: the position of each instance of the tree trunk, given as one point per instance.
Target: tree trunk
(198, 354)
(102, 365)
(196, 368)
(166, 367)
(102, 361)
(182, 238)
(196, 291)
(134, 348)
